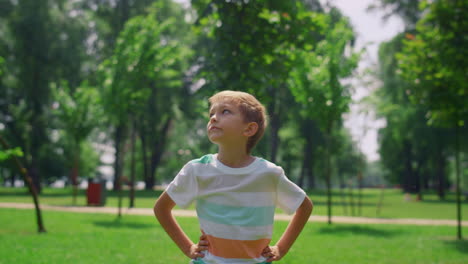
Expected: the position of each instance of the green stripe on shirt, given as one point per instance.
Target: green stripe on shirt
(232, 215)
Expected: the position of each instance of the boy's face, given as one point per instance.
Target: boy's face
(226, 124)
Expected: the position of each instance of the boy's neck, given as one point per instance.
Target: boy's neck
(234, 158)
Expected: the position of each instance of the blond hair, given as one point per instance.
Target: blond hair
(251, 109)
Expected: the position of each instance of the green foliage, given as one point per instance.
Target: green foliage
(423, 97)
(315, 79)
(79, 112)
(146, 59)
(246, 62)
(143, 80)
(2, 61)
(43, 42)
(414, 153)
(434, 59)
(349, 161)
(89, 160)
(8, 153)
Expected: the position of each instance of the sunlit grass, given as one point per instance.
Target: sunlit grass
(394, 202)
(102, 238)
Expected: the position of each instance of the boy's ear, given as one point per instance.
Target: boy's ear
(251, 129)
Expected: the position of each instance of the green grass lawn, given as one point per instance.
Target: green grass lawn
(101, 238)
(394, 204)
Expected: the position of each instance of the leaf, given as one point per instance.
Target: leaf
(6, 154)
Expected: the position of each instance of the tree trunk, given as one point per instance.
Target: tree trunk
(311, 174)
(457, 174)
(274, 112)
(118, 139)
(33, 172)
(274, 143)
(418, 180)
(360, 186)
(32, 189)
(342, 193)
(74, 174)
(146, 170)
(440, 172)
(300, 182)
(408, 177)
(306, 169)
(328, 171)
(132, 168)
(13, 178)
(351, 199)
(310, 165)
(158, 150)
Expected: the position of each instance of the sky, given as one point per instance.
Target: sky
(371, 30)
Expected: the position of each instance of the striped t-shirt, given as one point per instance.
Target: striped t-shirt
(235, 206)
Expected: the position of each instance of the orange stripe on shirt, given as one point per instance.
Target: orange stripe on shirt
(236, 249)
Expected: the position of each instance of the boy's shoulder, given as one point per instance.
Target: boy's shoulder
(205, 159)
(268, 165)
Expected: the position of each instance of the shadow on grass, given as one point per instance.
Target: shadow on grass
(340, 203)
(460, 245)
(358, 230)
(319, 193)
(446, 201)
(118, 223)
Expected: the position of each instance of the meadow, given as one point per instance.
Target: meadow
(104, 238)
(394, 203)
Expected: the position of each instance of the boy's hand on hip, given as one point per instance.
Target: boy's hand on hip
(196, 249)
(272, 253)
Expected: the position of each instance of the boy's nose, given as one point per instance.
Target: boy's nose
(213, 118)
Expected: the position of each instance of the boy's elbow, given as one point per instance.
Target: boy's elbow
(156, 208)
(159, 208)
(307, 205)
(163, 205)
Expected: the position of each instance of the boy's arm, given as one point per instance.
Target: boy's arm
(274, 253)
(163, 212)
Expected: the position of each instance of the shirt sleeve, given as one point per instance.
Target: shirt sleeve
(184, 188)
(289, 196)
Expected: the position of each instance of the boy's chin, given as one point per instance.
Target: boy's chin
(214, 140)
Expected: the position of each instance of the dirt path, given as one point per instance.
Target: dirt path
(279, 217)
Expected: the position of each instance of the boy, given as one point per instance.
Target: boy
(235, 193)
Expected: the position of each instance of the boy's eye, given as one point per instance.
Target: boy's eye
(225, 111)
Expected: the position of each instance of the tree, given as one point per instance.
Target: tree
(435, 60)
(406, 141)
(14, 153)
(29, 25)
(234, 59)
(45, 42)
(108, 18)
(314, 138)
(349, 164)
(79, 113)
(144, 77)
(315, 82)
